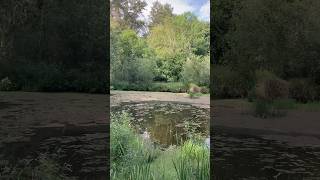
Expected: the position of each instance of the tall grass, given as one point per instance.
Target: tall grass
(275, 108)
(133, 158)
(41, 168)
(192, 161)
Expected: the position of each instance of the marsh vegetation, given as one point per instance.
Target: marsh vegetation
(133, 157)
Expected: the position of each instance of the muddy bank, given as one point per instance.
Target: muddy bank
(72, 125)
(247, 147)
(118, 97)
(238, 114)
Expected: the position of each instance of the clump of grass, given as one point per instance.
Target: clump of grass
(128, 150)
(275, 108)
(192, 161)
(140, 160)
(41, 168)
(310, 106)
(141, 172)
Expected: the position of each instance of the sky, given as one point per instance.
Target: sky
(200, 8)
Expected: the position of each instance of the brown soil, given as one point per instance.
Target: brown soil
(139, 96)
(297, 126)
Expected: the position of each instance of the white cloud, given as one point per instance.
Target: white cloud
(205, 11)
(179, 7)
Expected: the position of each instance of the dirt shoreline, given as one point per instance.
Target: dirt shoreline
(231, 113)
(118, 97)
(298, 127)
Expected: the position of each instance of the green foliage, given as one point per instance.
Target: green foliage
(159, 13)
(141, 172)
(194, 90)
(197, 70)
(129, 59)
(127, 149)
(227, 83)
(127, 15)
(262, 108)
(41, 77)
(7, 85)
(302, 90)
(192, 162)
(41, 168)
(175, 87)
(43, 42)
(263, 34)
(271, 89)
(133, 158)
(277, 108)
(175, 40)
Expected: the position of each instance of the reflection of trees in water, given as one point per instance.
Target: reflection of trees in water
(164, 123)
(162, 128)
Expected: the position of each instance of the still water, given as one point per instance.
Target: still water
(244, 156)
(167, 123)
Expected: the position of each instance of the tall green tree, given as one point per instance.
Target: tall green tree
(175, 40)
(277, 36)
(127, 12)
(159, 12)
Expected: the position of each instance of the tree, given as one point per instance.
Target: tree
(175, 40)
(127, 12)
(276, 36)
(159, 12)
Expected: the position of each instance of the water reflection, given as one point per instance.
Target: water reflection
(167, 123)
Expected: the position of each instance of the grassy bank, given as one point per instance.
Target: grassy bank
(268, 108)
(134, 158)
(175, 87)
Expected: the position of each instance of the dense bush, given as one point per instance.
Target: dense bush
(126, 145)
(42, 59)
(40, 77)
(40, 168)
(7, 85)
(271, 89)
(264, 108)
(175, 87)
(197, 70)
(302, 90)
(227, 83)
(56, 78)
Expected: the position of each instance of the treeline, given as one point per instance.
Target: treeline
(269, 43)
(50, 45)
(167, 48)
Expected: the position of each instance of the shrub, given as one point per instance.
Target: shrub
(262, 75)
(252, 95)
(7, 85)
(175, 87)
(276, 108)
(192, 161)
(271, 89)
(197, 70)
(40, 77)
(42, 167)
(302, 90)
(138, 71)
(227, 83)
(204, 90)
(193, 88)
(128, 150)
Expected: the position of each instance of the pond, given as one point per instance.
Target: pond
(70, 128)
(238, 155)
(167, 123)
